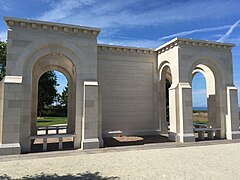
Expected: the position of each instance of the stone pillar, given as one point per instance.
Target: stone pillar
(78, 113)
(211, 101)
(12, 113)
(71, 108)
(173, 112)
(100, 117)
(1, 107)
(162, 103)
(90, 138)
(232, 117)
(181, 125)
(185, 114)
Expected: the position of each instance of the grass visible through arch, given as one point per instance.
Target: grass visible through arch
(47, 121)
(201, 117)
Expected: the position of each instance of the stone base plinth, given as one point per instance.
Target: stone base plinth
(185, 138)
(90, 143)
(172, 136)
(10, 149)
(233, 135)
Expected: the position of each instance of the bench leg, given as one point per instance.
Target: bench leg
(210, 135)
(60, 144)
(201, 135)
(44, 144)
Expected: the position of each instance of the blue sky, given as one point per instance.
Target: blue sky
(142, 23)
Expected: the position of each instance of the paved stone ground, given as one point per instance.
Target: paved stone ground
(201, 160)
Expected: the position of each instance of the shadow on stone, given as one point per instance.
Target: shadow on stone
(51, 147)
(85, 176)
(134, 140)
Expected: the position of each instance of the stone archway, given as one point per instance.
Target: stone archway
(76, 58)
(213, 72)
(165, 75)
(65, 66)
(38, 63)
(214, 61)
(211, 93)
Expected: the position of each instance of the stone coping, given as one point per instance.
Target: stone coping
(107, 47)
(77, 29)
(190, 42)
(37, 24)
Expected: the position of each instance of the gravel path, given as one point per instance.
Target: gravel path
(200, 162)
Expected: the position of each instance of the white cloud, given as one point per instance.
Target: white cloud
(63, 9)
(5, 8)
(229, 32)
(199, 92)
(114, 15)
(185, 33)
(117, 13)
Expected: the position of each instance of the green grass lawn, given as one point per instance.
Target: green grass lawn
(47, 121)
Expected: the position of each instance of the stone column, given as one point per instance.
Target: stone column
(1, 107)
(211, 101)
(162, 103)
(78, 113)
(185, 133)
(90, 138)
(12, 113)
(173, 112)
(180, 104)
(71, 108)
(232, 117)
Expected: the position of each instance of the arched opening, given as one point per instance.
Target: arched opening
(55, 128)
(205, 124)
(52, 106)
(165, 84)
(199, 98)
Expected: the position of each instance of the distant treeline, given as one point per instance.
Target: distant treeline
(200, 111)
(56, 111)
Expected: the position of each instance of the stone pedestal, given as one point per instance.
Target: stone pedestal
(232, 117)
(90, 136)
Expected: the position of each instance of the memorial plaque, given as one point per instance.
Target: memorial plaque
(127, 93)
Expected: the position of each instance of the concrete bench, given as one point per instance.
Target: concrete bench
(115, 133)
(45, 137)
(209, 131)
(48, 128)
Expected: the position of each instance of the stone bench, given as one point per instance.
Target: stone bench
(198, 125)
(115, 133)
(48, 128)
(45, 137)
(202, 131)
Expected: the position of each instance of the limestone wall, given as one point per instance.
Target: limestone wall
(1, 107)
(126, 80)
(28, 42)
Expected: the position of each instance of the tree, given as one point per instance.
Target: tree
(64, 97)
(47, 91)
(3, 58)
